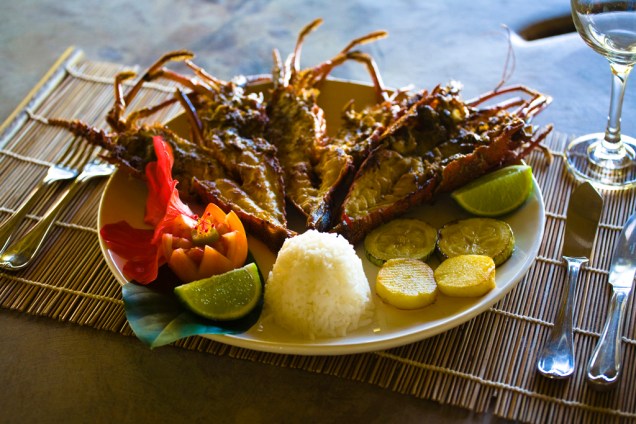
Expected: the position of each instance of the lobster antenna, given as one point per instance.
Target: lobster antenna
(509, 64)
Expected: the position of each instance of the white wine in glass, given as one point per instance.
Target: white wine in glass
(607, 160)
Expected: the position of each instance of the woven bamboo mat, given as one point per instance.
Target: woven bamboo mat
(486, 364)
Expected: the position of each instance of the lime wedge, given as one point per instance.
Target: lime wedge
(497, 193)
(400, 238)
(223, 297)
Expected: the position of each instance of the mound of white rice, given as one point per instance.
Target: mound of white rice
(317, 287)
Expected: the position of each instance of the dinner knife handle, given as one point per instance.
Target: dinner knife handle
(603, 370)
(556, 359)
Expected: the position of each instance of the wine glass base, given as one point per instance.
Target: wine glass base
(588, 160)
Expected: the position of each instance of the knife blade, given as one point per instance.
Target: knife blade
(584, 212)
(604, 368)
(556, 359)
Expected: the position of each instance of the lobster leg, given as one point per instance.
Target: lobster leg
(527, 108)
(372, 68)
(292, 65)
(155, 69)
(114, 116)
(535, 107)
(146, 112)
(536, 142)
(193, 117)
(320, 72)
(495, 93)
(277, 69)
(368, 38)
(193, 85)
(201, 73)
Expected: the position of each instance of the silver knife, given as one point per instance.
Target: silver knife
(556, 359)
(604, 368)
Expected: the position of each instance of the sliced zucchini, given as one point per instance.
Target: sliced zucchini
(466, 276)
(406, 283)
(477, 236)
(400, 238)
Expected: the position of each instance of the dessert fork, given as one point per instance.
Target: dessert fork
(19, 255)
(69, 165)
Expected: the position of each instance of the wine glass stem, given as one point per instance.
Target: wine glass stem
(613, 131)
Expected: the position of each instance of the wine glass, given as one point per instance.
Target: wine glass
(607, 160)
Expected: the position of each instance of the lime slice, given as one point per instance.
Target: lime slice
(400, 238)
(477, 236)
(497, 193)
(223, 297)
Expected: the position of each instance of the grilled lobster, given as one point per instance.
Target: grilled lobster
(314, 165)
(227, 161)
(439, 144)
(250, 156)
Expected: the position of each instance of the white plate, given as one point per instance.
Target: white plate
(124, 199)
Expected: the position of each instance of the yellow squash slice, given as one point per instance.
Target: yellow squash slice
(466, 276)
(406, 283)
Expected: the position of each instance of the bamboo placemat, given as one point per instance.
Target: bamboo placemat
(486, 364)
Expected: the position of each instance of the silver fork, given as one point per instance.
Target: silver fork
(19, 255)
(73, 158)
